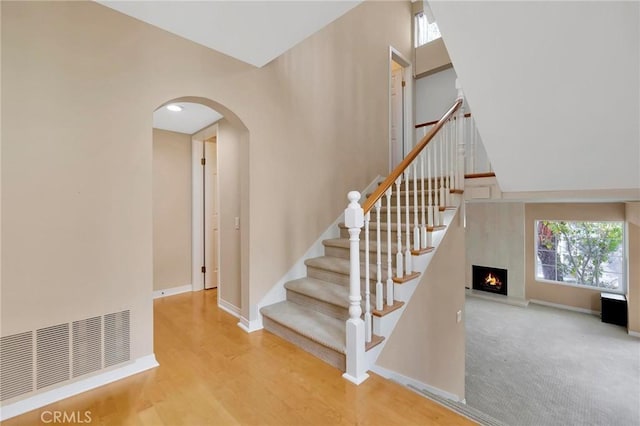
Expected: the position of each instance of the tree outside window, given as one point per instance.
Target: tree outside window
(581, 253)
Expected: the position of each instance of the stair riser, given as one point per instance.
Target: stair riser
(328, 355)
(329, 309)
(344, 253)
(394, 217)
(344, 233)
(343, 279)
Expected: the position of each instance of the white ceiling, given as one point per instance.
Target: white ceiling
(191, 119)
(255, 32)
(554, 88)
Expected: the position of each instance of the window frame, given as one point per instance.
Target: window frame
(537, 264)
(416, 38)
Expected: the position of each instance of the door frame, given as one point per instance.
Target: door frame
(197, 208)
(408, 119)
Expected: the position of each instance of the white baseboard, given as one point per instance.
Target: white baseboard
(171, 291)
(48, 397)
(404, 380)
(567, 307)
(250, 326)
(634, 333)
(229, 308)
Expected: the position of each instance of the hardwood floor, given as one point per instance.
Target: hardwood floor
(213, 373)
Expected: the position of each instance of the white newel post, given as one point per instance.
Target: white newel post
(356, 368)
(461, 139)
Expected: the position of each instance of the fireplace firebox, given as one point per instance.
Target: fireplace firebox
(493, 280)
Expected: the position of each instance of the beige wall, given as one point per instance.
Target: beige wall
(582, 298)
(432, 57)
(632, 211)
(77, 150)
(495, 237)
(229, 144)
(171, 209)
(428, 325)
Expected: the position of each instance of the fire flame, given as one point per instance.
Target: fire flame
(491, 280)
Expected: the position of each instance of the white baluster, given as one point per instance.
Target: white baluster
(441, 196)
(379, 291)
(355, 331)
(416, 222)
(460, 166)
(473, 146)
(430, 197)
(461, 140)
(408, 267)
(447, 192)
(368, 323)
(454, 158)
(399, 258)
(423, 230)
(389, 257)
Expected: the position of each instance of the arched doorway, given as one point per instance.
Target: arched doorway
(218, 188)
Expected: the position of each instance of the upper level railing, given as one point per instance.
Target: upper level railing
(477, 162)
(431, 174)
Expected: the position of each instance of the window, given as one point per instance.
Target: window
(425, 31)
(586, 254)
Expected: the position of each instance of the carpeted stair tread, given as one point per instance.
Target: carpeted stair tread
(383, 226)
(342, 266)
(325, 291)
(330, 263)
(344, 243)
(309, 323)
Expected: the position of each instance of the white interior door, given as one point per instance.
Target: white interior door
(397, 114)
(210, 214)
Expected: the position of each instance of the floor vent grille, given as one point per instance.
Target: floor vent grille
(52, 355)
(35, 360)
(16, 365)
(116, 338)
(87, 346)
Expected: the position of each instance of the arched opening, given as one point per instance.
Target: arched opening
(209, 143)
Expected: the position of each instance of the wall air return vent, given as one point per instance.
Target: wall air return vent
(16, 365)
(116, 338)
(52, 355)
(86, 338)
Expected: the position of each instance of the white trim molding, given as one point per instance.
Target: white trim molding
(566, 307)
(634, 333)
(172, 291)
(48, 397)
(250, 326)
(229, 308)
(408, 381)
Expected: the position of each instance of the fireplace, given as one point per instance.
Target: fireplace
(493, 280)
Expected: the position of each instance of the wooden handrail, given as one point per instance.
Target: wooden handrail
(431, 123)
(395, 174)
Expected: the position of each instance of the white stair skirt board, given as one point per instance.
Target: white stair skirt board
(567, 307)
(171, 291)
(298, 270)
(408, 381)
(48, 397)
(229, 308)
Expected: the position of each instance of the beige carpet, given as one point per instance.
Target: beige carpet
(546, 366)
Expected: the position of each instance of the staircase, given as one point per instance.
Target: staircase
(314, 313)
(339, 310)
